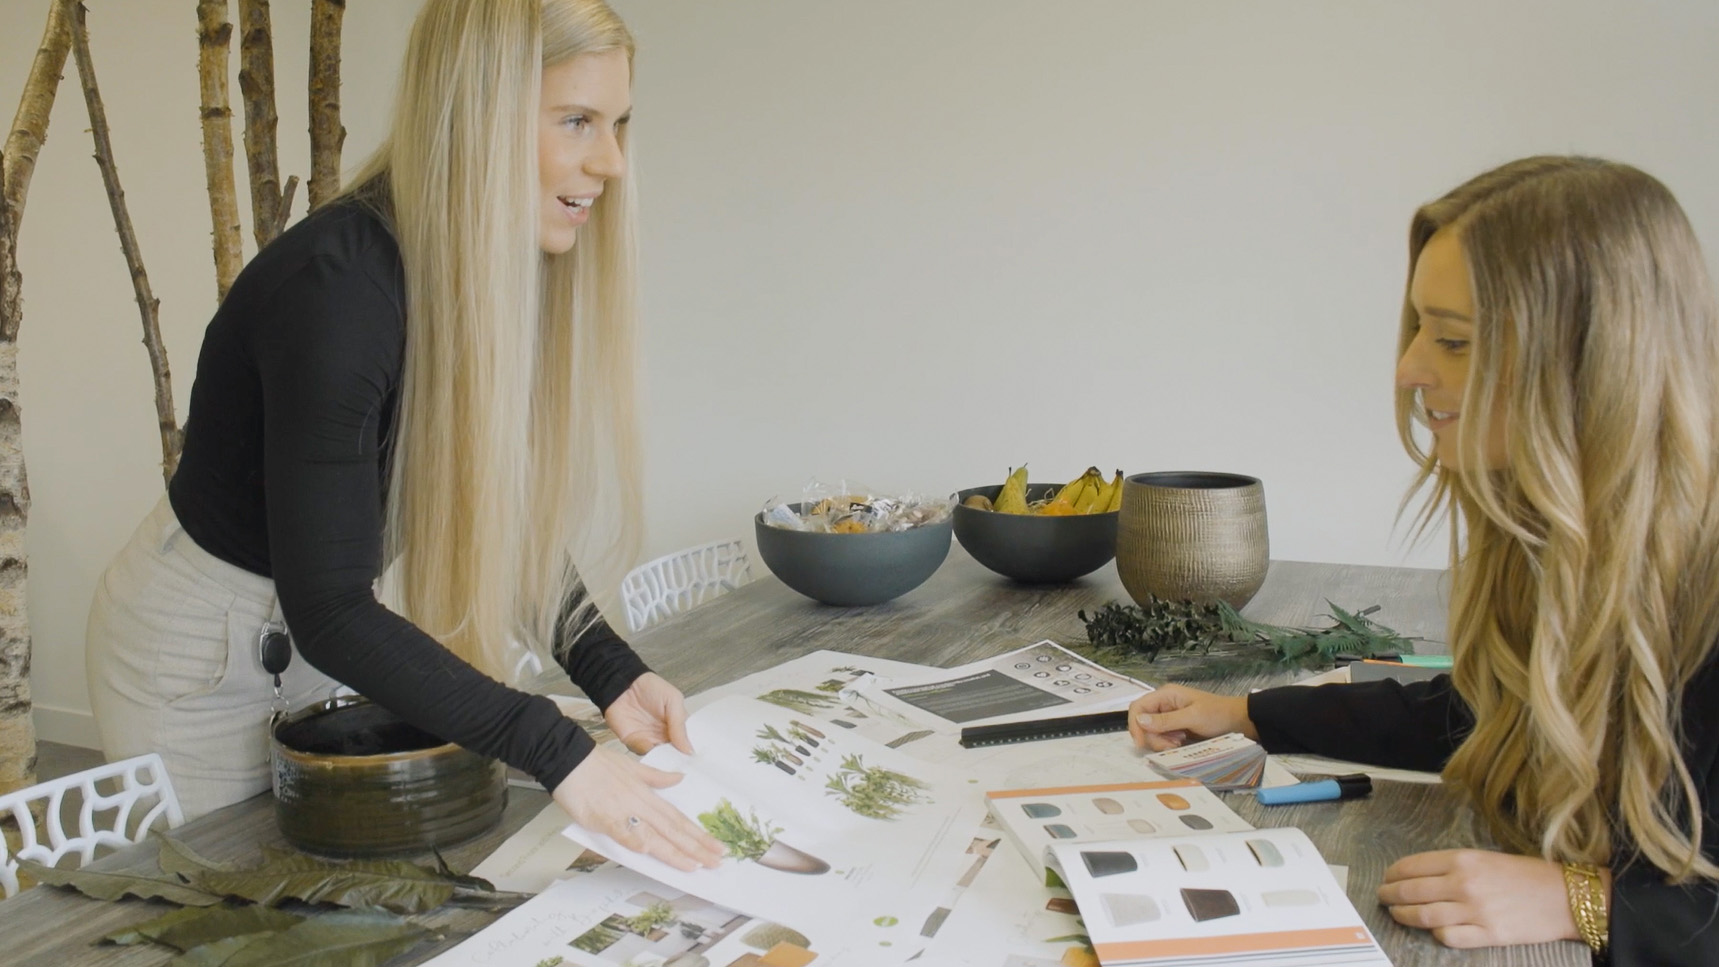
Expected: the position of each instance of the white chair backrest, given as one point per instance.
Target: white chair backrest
(675, 582)
(143, 784)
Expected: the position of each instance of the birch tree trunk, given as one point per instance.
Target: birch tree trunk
(214, 38)
(147, 304)
(17, 163)
(326, 133)
(257, 86)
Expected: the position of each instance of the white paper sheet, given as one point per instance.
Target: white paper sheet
(617, 917)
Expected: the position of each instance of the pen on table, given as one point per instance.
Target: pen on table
(1352, 786)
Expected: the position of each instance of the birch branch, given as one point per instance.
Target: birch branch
(326, 133)
(285, 211)
(257, 87)
(147, 304)
(214, 37)
(29, 132)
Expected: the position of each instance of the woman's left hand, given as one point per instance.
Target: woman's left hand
(648, 714)
(1480, 898)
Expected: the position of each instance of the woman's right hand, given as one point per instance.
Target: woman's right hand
(1169, 716)
(607, 791)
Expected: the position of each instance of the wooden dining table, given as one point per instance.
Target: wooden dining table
(963, 613)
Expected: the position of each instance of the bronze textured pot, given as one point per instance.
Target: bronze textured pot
(1191, 535)
(353, 779)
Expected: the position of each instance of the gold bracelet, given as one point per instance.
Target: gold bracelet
(1587, 895)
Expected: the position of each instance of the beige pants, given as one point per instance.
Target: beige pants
(171, 660)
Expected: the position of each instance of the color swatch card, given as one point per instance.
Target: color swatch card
(1034, 819)
(1231, 761)
(1263, 897)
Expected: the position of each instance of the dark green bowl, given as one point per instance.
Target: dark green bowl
(852, 569)
(1033, 549)
(353, 779)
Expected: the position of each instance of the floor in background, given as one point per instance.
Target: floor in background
(54, 760)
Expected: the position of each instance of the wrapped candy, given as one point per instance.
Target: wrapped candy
(846, 509)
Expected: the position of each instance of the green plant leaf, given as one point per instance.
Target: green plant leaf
(216, 954)
(186, 929)
(352, 938)
(176, 857)
(147, 930)
(390, 884)
(112, 886)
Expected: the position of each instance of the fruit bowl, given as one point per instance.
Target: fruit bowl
(1030, 548)
(853, 569)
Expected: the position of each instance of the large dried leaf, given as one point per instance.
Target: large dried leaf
(112, 886)
(188, 928)
(352, 938)
(390, 884)
(147, 930)
(216, 954)
(176, 857)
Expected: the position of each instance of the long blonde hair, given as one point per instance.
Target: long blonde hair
(1585, 575)
(515, 451)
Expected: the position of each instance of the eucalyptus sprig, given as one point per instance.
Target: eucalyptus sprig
(1213, 639)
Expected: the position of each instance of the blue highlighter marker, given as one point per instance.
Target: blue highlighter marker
(1343, 787)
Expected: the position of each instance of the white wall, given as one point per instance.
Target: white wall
(915, 243)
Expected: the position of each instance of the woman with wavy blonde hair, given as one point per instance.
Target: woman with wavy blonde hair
(434, 370)
(1560, 340)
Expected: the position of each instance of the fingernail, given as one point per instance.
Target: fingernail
(1144, 719)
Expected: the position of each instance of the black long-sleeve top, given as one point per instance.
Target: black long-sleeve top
(1419, 725)
(284, 473)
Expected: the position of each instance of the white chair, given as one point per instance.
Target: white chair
(675, 582)
(140, 779)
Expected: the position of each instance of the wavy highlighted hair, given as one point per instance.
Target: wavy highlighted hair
(515, 455)
(1585, 588)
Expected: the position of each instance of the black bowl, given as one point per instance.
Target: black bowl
(853, 569)
(1033, 549)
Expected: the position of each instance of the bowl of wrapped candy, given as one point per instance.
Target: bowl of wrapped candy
(854, 548)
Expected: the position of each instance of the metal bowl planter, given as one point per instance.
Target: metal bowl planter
(352, 779)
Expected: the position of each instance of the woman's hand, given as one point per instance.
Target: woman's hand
(1169, 716)
(648, 714)
(1480, 898)
(611, 794)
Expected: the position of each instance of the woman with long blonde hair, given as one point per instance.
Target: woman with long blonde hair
(1561, 341)
(433, 372)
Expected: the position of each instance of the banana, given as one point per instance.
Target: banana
(1089, 497)
(1071, 491)
(1101, 496)
(1114, 501)
(1013, 497)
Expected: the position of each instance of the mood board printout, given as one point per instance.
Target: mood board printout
(1263, 897)
(823, 827)
(1043, 680)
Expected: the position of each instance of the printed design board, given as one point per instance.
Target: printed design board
(824, 828)
(1042, 680)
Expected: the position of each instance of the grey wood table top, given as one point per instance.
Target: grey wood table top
(963, 613)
